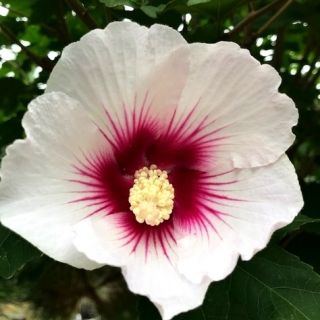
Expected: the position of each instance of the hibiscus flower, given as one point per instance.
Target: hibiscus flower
(163, 158)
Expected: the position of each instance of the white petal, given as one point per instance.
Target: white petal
(124, 74)
(148, 264)
(240, 210)
(37, 189)
(231, 110)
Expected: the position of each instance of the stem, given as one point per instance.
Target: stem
(82, 13)
(273, 18)
(44, 62)
(251, 17)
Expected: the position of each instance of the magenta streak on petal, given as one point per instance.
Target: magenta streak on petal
(183, 146)
(184, 133)
(147, 245)
(168, 153)
(170, 124)
(162, 239)
(209, 194)
(131, 131)
(146, 239)
(174, 131)
(197, 199)
(112, 143)
(104, 188)
(143, 113)
(205, 222)
(217, 214)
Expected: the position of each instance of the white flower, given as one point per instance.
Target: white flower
(203, 129)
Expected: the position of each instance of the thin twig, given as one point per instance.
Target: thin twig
(251, 17)
(44, 62)
(273, 18)
(82, 13)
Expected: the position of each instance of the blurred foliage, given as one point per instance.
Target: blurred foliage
(283, 33)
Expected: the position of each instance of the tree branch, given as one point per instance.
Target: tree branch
(247, 39)
(44, 62)
(279, 49)
(273, 18)
(62, 26)
(251, 17)
(82, 13)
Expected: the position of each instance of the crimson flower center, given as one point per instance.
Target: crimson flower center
(151, 197)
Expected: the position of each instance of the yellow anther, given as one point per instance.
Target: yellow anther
(151, 197)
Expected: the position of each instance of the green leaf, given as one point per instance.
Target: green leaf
(14, 252)
(274, 285)
(131, 3)
(193, 2)
(150, 11)
(298, 222)
(313, 227)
